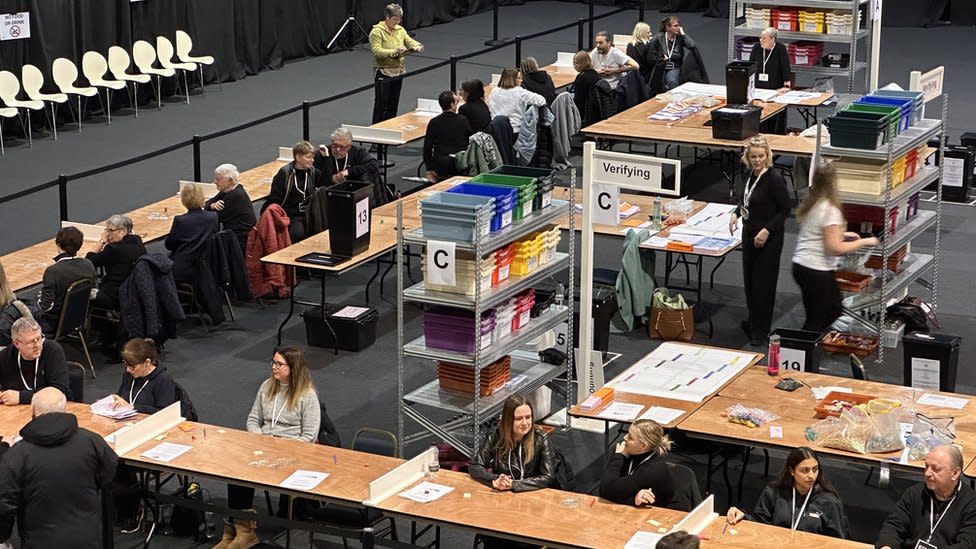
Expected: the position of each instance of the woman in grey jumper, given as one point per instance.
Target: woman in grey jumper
(286, 406)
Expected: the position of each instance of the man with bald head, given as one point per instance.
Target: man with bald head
(52, 481)
(939, 513)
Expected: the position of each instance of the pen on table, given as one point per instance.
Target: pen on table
(204, 433)
(724, 528)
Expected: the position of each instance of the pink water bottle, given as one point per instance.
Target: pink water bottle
(772, 357)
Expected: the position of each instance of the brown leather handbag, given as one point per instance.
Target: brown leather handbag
(670, 324)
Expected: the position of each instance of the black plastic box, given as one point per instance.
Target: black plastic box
(344, 204)
(941, 348)
(956, 189)
(739, 83)
(736, 122)
(801, 340)
(352, 334)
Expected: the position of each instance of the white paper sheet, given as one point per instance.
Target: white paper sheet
(656, 241)
(820, 392)
(167, 451)
(764, 95)
(643, 540)
(109, 407)
(928, 399)
(350, 312)
(794, 97)
(303, 480)
(662, 414)
(622, 411)
(426, 492)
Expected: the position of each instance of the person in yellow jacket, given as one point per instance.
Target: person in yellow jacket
(390, 44)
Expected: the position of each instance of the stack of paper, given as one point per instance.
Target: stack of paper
(675, 111)
(109, 407)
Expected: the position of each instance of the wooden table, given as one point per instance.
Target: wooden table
(13, 419)
(25, 267)
(561, 76)
(796, 411)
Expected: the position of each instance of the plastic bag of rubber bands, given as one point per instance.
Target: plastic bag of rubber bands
(870, 428)
(750, 417)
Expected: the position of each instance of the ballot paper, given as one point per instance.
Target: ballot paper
(643, 540)
(109, 407)
(622, 411)
(303, 480)
(928, 399)
(167, 451)
(426, 492)
(794, 97)
(820, 393)
(662, 414)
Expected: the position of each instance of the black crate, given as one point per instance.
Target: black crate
(736, 122)
(352, 334)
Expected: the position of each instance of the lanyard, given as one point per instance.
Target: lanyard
(276, 412)
(747, 195)
(345, 162)
(673, 44)
(132, 400)
(21, 371)
(932, 527)
(766, 57)
(795, 518)
(630, 468)
(304, 187)
(521, 468)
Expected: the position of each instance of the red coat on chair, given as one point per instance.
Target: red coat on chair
(269, 236)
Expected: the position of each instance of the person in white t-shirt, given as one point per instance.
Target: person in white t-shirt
(510, 99)
(608, 61)
(822, 238)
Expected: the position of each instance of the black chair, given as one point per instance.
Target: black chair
(328, 434)
(857, 368)
(74, 316)
(373, 441)
(77, 381)
(687, 493)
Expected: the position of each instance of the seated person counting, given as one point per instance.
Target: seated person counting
(116, 253)
(68, 268)
(343, 160)
(30, 364)
(232, 204)
(518, 455)
(679, 540)
(668, 54)
(292, 188)
(609, 62)
(638, 473)
(800, 498)
(11, 309)
(190, 233)
(474, 108)
(583, 87)
(510, 99)
(537, 80)
(286, 406)
(447, 134)
(145, 384)
(938, 513)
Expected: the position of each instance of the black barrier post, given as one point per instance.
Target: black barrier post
(454, 85)
(640, 10)
(518, 51)
(196, 158)
(306, 110)
(579, 30)
(592, 32)
(494, 27)
(63, 196)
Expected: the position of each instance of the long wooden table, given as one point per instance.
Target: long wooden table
(25, 267)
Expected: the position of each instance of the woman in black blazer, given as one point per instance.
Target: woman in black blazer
(763, 207)
(189, 234)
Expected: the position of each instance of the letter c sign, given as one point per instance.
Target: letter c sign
(603, 199)
(440, 259)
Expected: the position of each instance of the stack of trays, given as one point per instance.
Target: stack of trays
(504, 318)
(838, 23)
(805, 53)
(453, 329)
(523, 309)
(503, 258)
(743, 47)
(860, 176)
(464, 272)
(905, 106)
(895, 259)
(757, 18)
(526, 257)
(869, 219)
(785, 19)
(524, 185)
(911, 207)
(811, 21)
(460, 378)
(857, 127)
(916, 97)
(545, 181)
(549, 242)
(453, 216)
(504, 201)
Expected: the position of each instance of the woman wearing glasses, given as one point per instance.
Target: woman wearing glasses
(145, 385)
(763, 206)
(286, 406)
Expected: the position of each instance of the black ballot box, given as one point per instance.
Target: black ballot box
(740, 84)
(349, 209)
(736, 122)
(931, 361)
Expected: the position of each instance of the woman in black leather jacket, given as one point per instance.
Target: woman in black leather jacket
(517, 456)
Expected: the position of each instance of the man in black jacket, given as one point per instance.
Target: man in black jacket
(941, 513)
(116, 252)
(342, 160)
(51, 482)
(30, 364)
(447, 133)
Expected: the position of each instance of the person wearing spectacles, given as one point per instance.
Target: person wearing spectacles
(343, 160)
(286, 406)
(763, 206)
(116, 252)
(30, 364)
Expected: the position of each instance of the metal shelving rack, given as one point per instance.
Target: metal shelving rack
(852, 39)
(887, 284)
(468, 412)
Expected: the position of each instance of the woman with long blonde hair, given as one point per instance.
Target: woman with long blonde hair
(11, 309)
(639, 49)
(517, 456)
(823, 237)
(638, 473)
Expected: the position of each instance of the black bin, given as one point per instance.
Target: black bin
(349, 215)
(739, 83)
(955, 186)
(803, 341)
(928, 351)
(353, 333)
(603, 308)
(545, 181)
(736, 122)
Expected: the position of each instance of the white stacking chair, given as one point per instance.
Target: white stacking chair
(9, 88)
(144, 56)
(165, 50)
(5, 112)
(118, 64)
(183, 46)
(33, 80)
(94, 66)
(65, 74)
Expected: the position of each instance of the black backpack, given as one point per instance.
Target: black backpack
(563, 472)
(187, 408)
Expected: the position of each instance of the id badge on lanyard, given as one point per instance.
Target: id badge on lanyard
(763, 77)
(922, 544)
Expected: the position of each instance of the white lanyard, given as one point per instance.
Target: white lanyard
(766, 57)
(21, 371)
(932, 527)
(132, 400)
(630, 469)
(276, 412)
(748, 191)
(796, 520)
(345, 162)
(304, 187)
(521, 464)
(673, 44)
